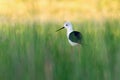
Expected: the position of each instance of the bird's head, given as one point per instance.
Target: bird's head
(67, 25)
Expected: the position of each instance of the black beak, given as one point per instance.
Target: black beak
(60, 29)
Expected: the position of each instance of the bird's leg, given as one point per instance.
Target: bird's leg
(72, 55)
(72, 50)
(78, 47)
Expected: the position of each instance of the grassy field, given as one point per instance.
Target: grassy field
(34, 51)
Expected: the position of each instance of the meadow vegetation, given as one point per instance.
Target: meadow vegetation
(36, 52)
(31, 49)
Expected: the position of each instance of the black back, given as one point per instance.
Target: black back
(76, 37)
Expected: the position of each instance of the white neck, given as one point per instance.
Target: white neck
(69, 30)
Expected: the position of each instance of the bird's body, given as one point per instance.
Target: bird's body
(74, 37)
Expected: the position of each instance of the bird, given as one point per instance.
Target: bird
(74, 37)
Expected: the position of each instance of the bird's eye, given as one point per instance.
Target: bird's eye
(66, 24)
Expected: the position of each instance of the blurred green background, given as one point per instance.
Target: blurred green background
(30, 49)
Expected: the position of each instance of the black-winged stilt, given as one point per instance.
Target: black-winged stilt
(74, 37)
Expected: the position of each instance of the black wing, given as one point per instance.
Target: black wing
(76, 36)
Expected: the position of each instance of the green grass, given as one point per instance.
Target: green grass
(36, 52)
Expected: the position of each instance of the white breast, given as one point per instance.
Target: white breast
(72, 43)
